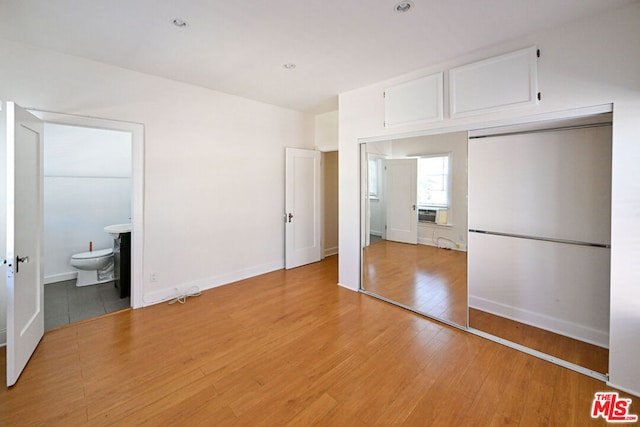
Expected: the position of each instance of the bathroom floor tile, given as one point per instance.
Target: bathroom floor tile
(56, 290)
(54, 322)
(119, 304)
(66, 303)
(85, 311)
(108, 292)
(55, 307)
(83, 295)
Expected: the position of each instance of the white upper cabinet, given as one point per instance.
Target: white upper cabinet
(494, 84)
(416, 101)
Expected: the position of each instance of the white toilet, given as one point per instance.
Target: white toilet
(93, 267)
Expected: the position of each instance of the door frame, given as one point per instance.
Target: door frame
(137, 188)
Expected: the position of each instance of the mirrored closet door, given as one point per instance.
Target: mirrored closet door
(415, 223)
(539, 240)
(531, 211)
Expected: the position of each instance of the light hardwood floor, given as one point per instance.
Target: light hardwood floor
(287, 348)
(429, 279)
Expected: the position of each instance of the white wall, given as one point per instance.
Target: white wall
(591, 62)
(87, 186)
(326, 131)
(211, 160)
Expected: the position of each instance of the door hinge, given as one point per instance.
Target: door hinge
(384, 94)
(538, 53)
(539, 96)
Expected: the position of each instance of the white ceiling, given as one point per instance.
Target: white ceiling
(240, 47)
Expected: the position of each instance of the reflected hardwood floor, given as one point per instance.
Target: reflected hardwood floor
(434, 281)
(429, 279)
(578, 352)
(287, 348)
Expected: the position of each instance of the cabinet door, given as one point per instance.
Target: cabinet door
(498, 83)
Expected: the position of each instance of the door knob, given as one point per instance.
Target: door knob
(19, 259)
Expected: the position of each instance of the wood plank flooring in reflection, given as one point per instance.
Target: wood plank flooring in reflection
(429, 279)
(574, 351)
(434, 281)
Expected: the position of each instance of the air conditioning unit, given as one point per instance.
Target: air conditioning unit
(432, 215)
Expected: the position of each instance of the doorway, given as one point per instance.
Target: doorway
(87, 186)
(136, 133)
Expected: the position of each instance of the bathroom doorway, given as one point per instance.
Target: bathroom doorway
(93, 172)
(87, 186)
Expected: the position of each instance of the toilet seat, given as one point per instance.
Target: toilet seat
(93, 254)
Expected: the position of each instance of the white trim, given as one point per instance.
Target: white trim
(484, 125)
(3, 338)
(166, 294)
(348, 287)
(626, 390)
(539, 320)
(55, 278)
(331, 251)
(428, 242)
(137, 193)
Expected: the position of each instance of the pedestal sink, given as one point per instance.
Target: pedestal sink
(116, 229)
(121, 257)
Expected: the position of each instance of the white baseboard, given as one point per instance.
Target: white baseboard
(542, 321)
(626, 390)
(168, 293)
(375, 233)
(347, 287)
(54, 278)
(428, 242)
(330, 251)
(3, 337)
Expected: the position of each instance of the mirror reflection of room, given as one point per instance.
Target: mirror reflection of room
(540, 235)
(416, 223)
(537, 232)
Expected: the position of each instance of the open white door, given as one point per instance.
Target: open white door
(22, 148)
(401, 192)
(302, 206)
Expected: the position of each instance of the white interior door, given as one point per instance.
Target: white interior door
(302, 205)
(401, 192)
(22, 140)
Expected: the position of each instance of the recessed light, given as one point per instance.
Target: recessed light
(180, 23)
(289, 66)
(403, 6)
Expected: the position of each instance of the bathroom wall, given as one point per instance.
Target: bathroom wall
(87, 186)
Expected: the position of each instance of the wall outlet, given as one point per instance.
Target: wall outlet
(154, 277)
